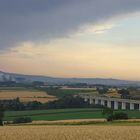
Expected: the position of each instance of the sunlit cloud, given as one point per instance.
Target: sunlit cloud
(94, 29)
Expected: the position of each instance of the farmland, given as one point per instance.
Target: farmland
(70, 132)
(63, 114)
(69, 91)
(26, 95)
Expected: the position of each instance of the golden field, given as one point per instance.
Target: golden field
(41, 132)
(113, 94)
(73, 121)
(26, 96)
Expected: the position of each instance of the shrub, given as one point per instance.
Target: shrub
(114, 116)
(120, 116)
(1, 114)
(117, 116)
(22, 120)
(1, 122)
(110, 118)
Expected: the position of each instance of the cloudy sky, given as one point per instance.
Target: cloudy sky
(71, 38)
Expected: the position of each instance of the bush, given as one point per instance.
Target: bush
(1, 122)
(120, 116)
(110, 118)
(1, 114)
(22, 120)
(117, 116)
(114, 116)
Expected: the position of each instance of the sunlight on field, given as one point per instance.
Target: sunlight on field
(113, 94)
(70, 132)
(26, 96)
(69, 122)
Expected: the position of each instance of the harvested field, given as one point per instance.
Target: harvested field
(26, 96)
(70, 122)
(70, 132)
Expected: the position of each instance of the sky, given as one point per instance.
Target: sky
(71, 38)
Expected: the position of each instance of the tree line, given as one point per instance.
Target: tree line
(67, 101)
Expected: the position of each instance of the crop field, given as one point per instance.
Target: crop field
(25, 95)
(113, 94)
(42, 132)
(62, 92)
(64, 87)
(64, 114)
(55, 114)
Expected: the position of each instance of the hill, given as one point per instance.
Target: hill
(55, 80)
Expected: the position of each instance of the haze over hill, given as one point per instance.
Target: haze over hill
(55, 80)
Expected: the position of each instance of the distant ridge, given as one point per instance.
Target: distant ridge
(95, 81)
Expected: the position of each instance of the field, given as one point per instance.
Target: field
(113, 94)
(42, 132)
(64, 87)
(63, 114)
(69, 91)
(26, 95)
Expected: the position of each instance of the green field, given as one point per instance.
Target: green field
(62, 92)
(60, 114)
(63, 114)
(19, 88)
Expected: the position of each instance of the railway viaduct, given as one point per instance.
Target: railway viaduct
(115, 103)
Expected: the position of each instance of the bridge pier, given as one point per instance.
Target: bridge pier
(123, 106)
(96, 101)
(116, 105)
(85, 99)
(102, 102)
(90, 101)
(131, 106)
(109, 104)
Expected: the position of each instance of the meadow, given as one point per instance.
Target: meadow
(42, 132)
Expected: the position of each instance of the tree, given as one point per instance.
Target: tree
(37, 83)
(120, 116)
(1, 114)
(102, 90)
(107, 111)
(124, 93)
(114, 116)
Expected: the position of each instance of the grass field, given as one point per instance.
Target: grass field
(26, 95)
(62, 92)
(41, 132)
(63, 114)
(64, 87)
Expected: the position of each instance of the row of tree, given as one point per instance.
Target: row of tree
(68, 101)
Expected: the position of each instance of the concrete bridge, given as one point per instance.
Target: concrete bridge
(114, 103)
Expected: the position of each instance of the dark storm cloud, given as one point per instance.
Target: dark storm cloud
(39, 20)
